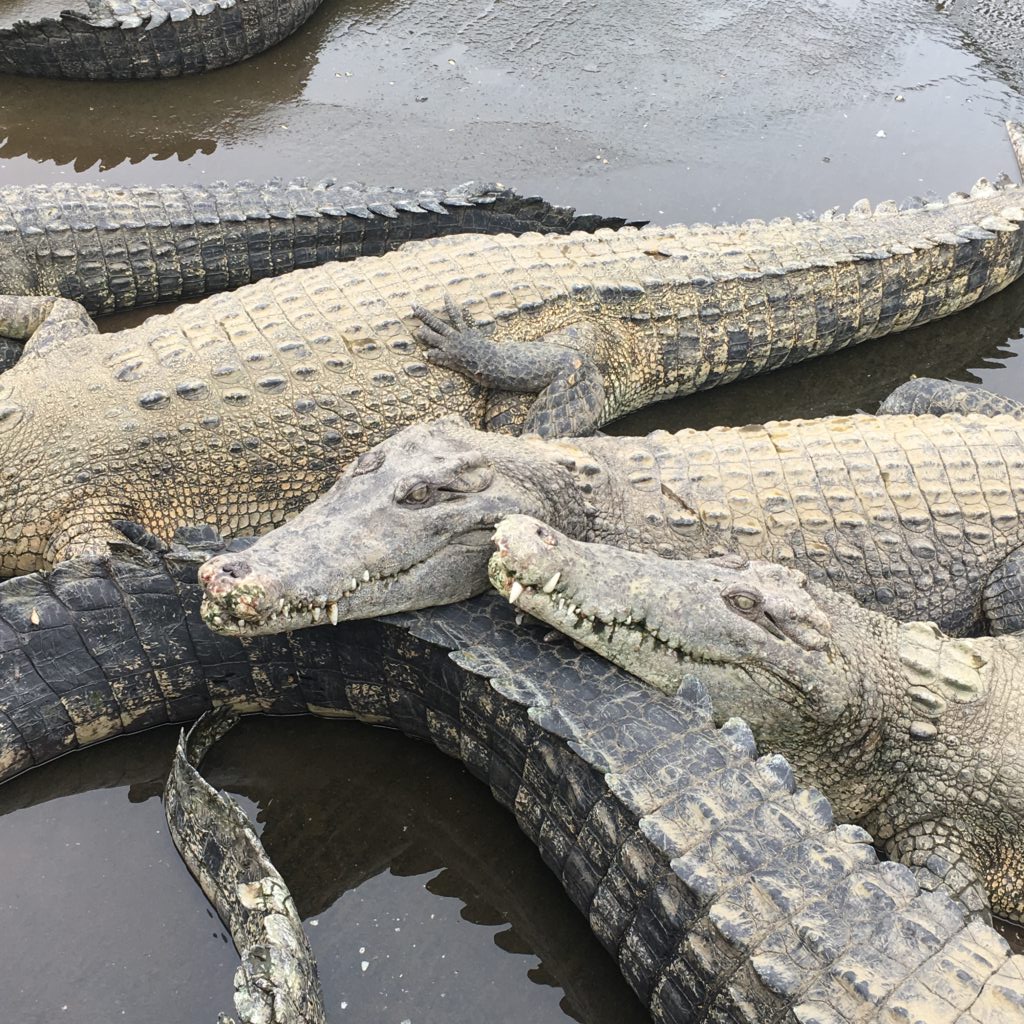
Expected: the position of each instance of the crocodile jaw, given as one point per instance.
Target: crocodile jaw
(264, 603)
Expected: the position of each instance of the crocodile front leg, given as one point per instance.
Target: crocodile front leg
(569, 386)
(38, 322)
(938, 854)
(929, 396)
(94, 532)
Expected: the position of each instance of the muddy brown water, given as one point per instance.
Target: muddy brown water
(422, 900)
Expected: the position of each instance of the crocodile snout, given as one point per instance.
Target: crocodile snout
(223, 568)
(232, 594)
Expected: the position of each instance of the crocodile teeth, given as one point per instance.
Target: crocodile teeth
(366, 575)
(332, 612)
(352, 584)
(318, 614)
(514, 591)
(551, 583)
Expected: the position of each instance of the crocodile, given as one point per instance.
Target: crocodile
(240, 409)
(908, 732)
(113, 249)
(929, 396)
(277, 979)
(139, 39)
(920, 517)
(724, 892)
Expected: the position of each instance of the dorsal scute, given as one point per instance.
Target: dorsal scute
(941, 669)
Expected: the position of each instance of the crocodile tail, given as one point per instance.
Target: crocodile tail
(277, 978)
(103, 647)
(149, 42)
(172, 242)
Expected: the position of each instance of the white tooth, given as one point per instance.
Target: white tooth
(366, 575)
(629, 620)
(287, 611)
(519, 619)
(241, 624)
(280, 604)
(514, 591)
(318, 613)
(218, 621)
(332, 612)
(352, 584)
(561, 603)
(551, 583)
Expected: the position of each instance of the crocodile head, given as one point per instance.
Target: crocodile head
(792, 658)
(407, 526)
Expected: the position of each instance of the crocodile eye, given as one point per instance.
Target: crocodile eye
(417, 494)
(742, 600)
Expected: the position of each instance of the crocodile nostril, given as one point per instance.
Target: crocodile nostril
(234, 569)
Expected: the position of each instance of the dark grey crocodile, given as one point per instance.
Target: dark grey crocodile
(912, 734)
(921, 517)
(277, 980)
(119, 248)
(725, 893)
(149, 38)
(238, 410)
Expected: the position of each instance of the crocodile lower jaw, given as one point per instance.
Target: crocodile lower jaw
(238, 612)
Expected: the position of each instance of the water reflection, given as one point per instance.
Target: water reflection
(388, 846)
(100, 125)
(774, 110)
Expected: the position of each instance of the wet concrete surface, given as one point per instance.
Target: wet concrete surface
(672, 111)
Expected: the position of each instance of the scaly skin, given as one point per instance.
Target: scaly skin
(724, 893)
(927, 396)
(908, 732)
(277, 980)
(916, 516)
(147, 39)
(240, 409)
(119, 248)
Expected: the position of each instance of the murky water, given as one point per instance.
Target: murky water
(677, 110)
(422, 899)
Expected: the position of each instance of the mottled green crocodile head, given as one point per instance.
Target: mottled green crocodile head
(407, 526)
(778, 651)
